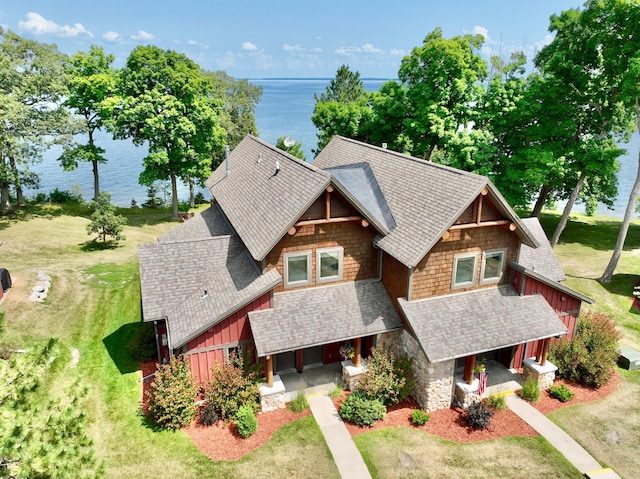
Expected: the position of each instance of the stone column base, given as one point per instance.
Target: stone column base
(543, 375)
(272, 398)
(351, 373)
(466, 394)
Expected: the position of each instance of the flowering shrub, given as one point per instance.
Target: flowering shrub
(230, 387)
(590, 358)
(173, 394)
(388, 377)
(346, 351)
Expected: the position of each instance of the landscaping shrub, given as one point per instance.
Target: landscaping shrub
(530, 390)
(208, 415)
(231, 387)
(591, 357)
(561, 393)
(497, 401)
(172, 399)
(336, 392)
(419, 417)
(65, 196)
(478, 415)
(246, 421)
(142, 345)
(388, 378)
(300, 403)
(362, 411)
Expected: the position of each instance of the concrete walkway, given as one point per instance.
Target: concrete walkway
(565, 444)
(345, 454)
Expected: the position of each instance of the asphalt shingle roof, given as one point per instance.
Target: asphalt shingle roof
(210, 222)
(425, 198)
(310, 317)
(260, 204)
(541, 259)
(475, 322)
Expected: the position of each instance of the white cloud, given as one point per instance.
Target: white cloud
(397, 52)
(38, 25)
(192, 42)
(369, 48)
(142, 36)
(111, 36)
(293, 48)
(478, 29)
(249, 47)
(349, 50)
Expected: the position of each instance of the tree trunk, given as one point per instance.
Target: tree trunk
(192, 194)
(567, 210)
(18, 186)
(542, 199)
(622, 235)
(174, 197)
(96, 174)
(4, 197)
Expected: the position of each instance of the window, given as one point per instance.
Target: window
(492, 265)
(297, 269)
(329, 264)
(464, 270)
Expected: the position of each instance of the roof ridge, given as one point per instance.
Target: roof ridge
(287, 155)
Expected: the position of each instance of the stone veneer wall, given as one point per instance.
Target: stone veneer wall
(543, 375)
(434, 381)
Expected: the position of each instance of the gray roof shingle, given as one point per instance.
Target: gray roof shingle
(260, 204)
(541, 259)
(310, 317)
(425, 198)
(475, 322)
(210, 222)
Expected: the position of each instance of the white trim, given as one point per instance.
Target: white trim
(339, 251)
(285, 260)
(464, 284)
(485, 255)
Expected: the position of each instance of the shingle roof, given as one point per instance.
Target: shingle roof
(310, 317)
(208, 223)
(541, 259)
(425, 198)
(260, 204)
(459, 325)
(554, 284)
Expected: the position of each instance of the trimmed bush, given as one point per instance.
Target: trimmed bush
(300, 403)
(591, 357)
(173, 394)
(64, 196)
(497, 401)
(419, 417)
(208, 415)
(388, 378)
(478, 415)
(246, 421)
(142, 345)
(530, 390)
(362, 411)
(561, 392)
(231, 387)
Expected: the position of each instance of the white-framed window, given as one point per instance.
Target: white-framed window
(492, 265)
(464, 270)
(329, 264)
(297, 269)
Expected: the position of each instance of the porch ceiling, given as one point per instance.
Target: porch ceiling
(459, 325)
(310, 317)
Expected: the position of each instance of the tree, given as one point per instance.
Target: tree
(173, 395)
(164, 101)
(33, 84)
(92, 81)
(295, 149)
(41, 436)
(104, 219)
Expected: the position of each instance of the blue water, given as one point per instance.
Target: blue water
(284, 110)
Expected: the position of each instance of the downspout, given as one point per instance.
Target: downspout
(155, 330)
(379, 264)
(409, 283)
(166, 322)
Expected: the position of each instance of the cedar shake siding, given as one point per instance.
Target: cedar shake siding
(360, 258)
(433, 275)
(394, 277)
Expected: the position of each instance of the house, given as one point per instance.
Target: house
(366, 246)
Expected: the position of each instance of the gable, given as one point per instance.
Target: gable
(482, 209)
(339, 207)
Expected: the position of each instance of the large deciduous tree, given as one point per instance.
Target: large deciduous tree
(164, 101)
(92, 82)
(33, 84)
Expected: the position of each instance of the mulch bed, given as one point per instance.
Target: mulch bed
(221, 442)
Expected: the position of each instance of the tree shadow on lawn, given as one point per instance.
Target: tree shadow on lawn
(94, 245)
(600, 235)
(116, 344)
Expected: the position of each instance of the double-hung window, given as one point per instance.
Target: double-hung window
(297, 269)
(464, 270)
(329, 264)
(492, 265)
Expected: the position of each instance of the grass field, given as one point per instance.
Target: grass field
(94, 306)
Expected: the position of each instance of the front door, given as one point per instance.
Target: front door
(331, 353)
(285, 362)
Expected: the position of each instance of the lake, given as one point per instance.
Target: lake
(284, 110)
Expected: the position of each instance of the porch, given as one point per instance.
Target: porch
(312, 380)
(499, 378)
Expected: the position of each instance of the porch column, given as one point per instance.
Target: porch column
(270, 371)
(545, 352)
(299, 360)
(469, 364)
(357, 352)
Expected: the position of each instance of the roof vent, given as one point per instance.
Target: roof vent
(277, 168)
(205, 293)
(259, 160)
(384, 146)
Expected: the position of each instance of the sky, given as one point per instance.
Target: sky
(282, 38)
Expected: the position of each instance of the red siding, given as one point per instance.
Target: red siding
(227, 333)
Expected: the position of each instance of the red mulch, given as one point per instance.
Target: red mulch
(221, 442)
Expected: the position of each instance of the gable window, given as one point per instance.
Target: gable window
(492, 265)
(329, 264)
(297, 269)
(464, 270)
